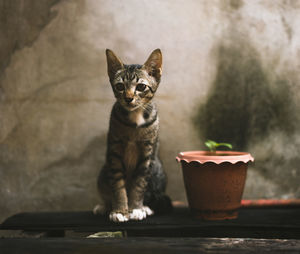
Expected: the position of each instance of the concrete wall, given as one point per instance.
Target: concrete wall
(230, 74)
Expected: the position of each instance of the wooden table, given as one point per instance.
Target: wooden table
(257, 229)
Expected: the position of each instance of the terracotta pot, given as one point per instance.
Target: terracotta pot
(214, 182)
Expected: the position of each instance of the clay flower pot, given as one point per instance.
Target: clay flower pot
(214, 182)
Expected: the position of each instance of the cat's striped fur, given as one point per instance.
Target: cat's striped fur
(132, 181)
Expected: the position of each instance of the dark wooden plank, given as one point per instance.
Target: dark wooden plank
(254, 223)
(181, 216)
(147, 245)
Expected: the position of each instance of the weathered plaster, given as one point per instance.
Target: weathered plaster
(230, 72)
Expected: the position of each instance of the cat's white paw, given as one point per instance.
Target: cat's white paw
(140, 213)
(137, 214)
(148, 210)
(100, 209)
(117, 217)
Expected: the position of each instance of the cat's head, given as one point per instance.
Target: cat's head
(134, 85)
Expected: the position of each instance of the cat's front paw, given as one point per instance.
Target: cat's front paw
(140, 213)
(118, 217)
(148, 210)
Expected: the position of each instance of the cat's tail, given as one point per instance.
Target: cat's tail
(160, 204)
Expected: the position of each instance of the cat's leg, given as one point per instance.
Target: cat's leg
(137, 211)
(119, 212)
(112, 186)
(139, 182)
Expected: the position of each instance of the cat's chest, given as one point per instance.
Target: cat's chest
(132, 151)
(137, 117)
(131, 156)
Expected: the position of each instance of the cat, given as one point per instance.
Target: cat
(132, 181)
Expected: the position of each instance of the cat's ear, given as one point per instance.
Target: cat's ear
(153, 65)
(113, 64)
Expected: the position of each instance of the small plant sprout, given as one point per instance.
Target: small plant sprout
(212, 145)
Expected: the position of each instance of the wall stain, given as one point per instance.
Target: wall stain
(245, 101)
(236, 4)
(287, 28)
(231, 5)
(32, 17)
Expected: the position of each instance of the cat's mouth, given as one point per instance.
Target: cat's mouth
(130, 106)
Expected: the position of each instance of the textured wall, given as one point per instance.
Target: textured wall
(230, 74)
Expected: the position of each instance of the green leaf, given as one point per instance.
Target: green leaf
(225, 144)
(212, 145)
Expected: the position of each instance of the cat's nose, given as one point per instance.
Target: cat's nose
(128, 99)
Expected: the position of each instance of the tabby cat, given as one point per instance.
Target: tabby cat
(132, 181)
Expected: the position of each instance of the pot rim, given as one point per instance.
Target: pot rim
(217, 157)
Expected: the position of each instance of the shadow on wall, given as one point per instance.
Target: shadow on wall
(246, 102)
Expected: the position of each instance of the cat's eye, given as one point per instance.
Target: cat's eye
(141, 87)
(120, 87)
